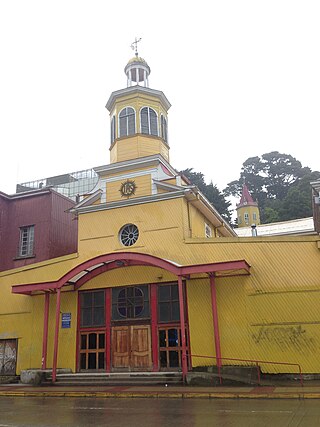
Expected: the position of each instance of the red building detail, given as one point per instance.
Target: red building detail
(54, 231)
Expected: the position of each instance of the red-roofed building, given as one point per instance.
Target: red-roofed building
(247, 209)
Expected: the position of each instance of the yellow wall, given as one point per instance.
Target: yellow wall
(198, 222)
(200, 322)
(159, 224)
(16, 318)
(140, 146)
(67, 336)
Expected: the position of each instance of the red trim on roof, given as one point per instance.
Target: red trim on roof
(100, 264)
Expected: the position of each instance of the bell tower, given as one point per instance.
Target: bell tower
(247, 210)
(138, 115)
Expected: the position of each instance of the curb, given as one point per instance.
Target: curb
(153, 395)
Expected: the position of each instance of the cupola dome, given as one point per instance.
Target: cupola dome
(137, 71)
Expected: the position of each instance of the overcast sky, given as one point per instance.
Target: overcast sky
(243, 78)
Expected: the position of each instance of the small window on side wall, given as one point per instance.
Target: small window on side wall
(246, 217)
(207, 231)
(26, 245)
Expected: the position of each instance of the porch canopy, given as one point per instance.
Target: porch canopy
(87, 270)
(79, 275)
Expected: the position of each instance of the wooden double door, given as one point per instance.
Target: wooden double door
(131, 348)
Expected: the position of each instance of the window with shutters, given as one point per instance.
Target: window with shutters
(127, 122)
(149, 121)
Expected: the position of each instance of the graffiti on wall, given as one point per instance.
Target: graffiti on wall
(293, 337)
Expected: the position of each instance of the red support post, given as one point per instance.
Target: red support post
(45, 330)
(215, 324)
(56, 337)
(108, 329)
(183, 330)
(154, 327)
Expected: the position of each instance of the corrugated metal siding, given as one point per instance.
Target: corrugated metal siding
(64, 228)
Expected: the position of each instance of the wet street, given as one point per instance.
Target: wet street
(35, 411)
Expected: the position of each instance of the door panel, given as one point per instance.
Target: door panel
(120, 347)
(131, 347)
(141, 347)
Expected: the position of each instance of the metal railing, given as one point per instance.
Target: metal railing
(256, 362)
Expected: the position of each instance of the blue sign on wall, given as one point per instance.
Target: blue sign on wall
(66, 320)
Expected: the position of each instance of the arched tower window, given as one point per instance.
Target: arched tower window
(113, 130)
(164, 128)
(127, 122)
(149, 121)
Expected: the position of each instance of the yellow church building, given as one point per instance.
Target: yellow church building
(160, 281)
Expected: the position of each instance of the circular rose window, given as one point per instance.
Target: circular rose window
(129, 234)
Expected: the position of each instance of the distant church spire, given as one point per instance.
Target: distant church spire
(246, 197)
(247, 209)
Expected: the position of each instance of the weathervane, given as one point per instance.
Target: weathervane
(134, 45)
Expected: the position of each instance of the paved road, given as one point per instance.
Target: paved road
(58, 412)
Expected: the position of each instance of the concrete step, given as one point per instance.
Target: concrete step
(130, 378)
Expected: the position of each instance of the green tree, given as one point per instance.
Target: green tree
(210, 191)
(279, 184)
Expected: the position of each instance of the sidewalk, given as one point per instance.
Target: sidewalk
(308, 391)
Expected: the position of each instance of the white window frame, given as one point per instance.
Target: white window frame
(26, 244)
(113, 130)
(149, 121)
(207, 231)
(127, 133)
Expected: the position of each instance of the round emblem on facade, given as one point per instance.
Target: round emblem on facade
(128, 188)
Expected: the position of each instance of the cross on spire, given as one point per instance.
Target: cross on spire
(134, 45)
